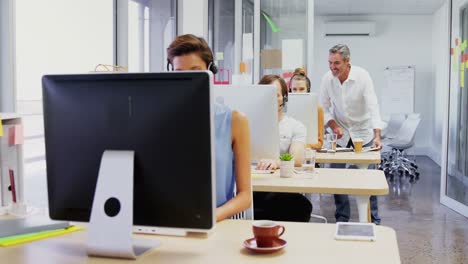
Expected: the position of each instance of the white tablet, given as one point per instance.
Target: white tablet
(355, 231)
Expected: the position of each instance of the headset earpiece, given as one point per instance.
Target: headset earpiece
(212, 67)
(167, 66)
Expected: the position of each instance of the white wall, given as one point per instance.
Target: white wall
(7, 103)
(440, 65)
(399, 40)
(193, 17)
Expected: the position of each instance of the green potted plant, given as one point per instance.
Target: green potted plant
(286, 165)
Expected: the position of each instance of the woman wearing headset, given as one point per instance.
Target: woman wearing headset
(188, 52)
(300, 83)
(292, 136)
(292, 132)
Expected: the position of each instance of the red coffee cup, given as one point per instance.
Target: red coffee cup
(266, 232)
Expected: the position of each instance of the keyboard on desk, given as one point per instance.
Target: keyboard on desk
(254, 171)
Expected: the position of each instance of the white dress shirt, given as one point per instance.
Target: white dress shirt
(353, 104)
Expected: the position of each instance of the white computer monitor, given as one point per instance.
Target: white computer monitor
(260, 105)
(303, 107)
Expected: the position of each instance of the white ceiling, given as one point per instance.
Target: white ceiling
(364, 7)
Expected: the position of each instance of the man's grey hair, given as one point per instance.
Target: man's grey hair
(341, 49)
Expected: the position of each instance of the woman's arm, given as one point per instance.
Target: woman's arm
(297, 150)
(320, 130)
(241, 147)
(298, 143)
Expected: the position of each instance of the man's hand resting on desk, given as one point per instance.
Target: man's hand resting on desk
(335, 128)
(377, 139)
(267, 164)
(377, 143)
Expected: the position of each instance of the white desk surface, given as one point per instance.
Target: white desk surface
(8, 116)
(331, 181)
(307, 243)
(371, 157)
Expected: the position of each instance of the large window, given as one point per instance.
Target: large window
(54, 37)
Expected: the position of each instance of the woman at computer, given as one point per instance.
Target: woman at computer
(300, 83)
(188, 52)
(292, 133)
(292, 136)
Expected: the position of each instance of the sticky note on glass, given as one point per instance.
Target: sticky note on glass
(15, 135)
(219, 56)
(271, 58)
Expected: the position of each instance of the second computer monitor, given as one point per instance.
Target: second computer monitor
(303, 107)
(259, 103)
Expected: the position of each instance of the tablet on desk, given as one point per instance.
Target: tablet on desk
(355, 231)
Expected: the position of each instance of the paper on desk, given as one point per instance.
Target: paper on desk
(24, 238)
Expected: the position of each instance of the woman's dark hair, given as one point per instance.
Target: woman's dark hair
(271, 78)
(300, 75)
(186, 44)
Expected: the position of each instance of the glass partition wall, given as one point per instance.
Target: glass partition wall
(454, 187)
(283, 36)
(251, 38)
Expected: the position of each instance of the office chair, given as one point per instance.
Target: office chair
(315, 216)
(393, 126)
(396, 161)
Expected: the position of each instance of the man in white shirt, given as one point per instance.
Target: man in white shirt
(351, 110)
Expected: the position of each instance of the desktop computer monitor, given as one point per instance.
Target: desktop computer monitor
(260, 104)
(303, 107)
(165, 118)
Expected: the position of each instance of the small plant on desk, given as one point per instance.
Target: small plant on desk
(286, 165)
(286, 157)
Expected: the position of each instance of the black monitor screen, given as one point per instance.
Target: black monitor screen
(163, 117)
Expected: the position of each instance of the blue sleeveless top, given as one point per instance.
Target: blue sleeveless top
(225, 179)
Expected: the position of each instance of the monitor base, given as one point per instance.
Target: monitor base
(111, 223)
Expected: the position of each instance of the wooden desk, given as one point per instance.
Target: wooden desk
(361, 160)
(361, 183)
(365, 158)
(307, 243)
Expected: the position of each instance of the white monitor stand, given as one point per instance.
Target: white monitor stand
(111, 223)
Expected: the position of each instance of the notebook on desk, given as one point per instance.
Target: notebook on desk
(18, 226)
(368, 149)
